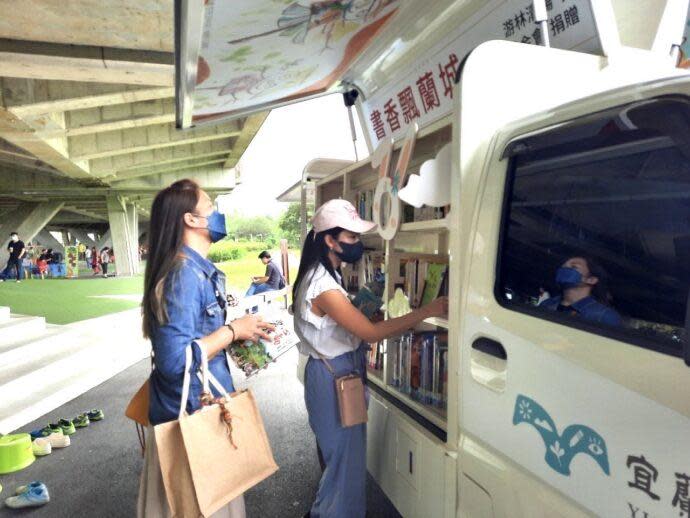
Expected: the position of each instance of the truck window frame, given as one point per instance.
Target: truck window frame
(627, 336)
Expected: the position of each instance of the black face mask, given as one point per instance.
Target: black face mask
(351, 252)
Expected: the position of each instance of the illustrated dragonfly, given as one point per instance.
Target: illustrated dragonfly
(297, 20)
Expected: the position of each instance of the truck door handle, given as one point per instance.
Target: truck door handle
(490, 347)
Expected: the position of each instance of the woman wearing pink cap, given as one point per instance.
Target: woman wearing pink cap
(331, 328)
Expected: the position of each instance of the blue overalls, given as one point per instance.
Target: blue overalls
(342, 489)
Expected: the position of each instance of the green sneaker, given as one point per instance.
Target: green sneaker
(95, 415)
(55, 428)
(81, 421)
(45, 432)
(67, 426)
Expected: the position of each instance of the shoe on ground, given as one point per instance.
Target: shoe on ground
(95, 415)
(24, 489)
(42, 432)
(35, 496)
(41, 447)
(55, 428)
(81, 421)
(58, 440)
(67, 426)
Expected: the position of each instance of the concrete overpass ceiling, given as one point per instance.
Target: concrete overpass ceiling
(127, 24)
(87, 110)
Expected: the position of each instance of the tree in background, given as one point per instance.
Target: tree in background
(289, 224)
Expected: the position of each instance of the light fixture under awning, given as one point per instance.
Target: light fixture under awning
(244, 56)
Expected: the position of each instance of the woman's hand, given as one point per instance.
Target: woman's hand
(252, 327)
(437, 307)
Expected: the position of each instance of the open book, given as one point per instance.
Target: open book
(251, 356)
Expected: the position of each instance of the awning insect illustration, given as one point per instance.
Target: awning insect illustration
(298, 20)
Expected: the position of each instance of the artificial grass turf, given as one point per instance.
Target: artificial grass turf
(239, 272)
(62, 301)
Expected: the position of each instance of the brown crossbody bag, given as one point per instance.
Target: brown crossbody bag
(351, 399)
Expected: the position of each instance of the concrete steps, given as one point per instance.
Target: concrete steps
(21, 327)
(21, 356)
(41, 368)
(4, 314)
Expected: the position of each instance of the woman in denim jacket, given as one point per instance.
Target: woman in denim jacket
(184, 306)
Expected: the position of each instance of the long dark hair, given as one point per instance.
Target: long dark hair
(166, 231)
(315, 251)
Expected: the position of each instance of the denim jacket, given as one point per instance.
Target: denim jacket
(195, 301)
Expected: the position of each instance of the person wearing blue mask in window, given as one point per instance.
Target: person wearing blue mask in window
(584, 294)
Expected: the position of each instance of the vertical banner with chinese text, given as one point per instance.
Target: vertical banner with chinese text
(425, 93)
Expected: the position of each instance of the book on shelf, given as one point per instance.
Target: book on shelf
(365, 204)
(375, 356)
(367, 297)
(420, 367)
(413, 214)
(433, 283)
(368, 270)
(422, 281)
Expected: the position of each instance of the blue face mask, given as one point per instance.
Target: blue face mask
(568, 277)
(216, 225)
(352, 252)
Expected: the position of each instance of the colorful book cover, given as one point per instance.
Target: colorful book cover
(251, 357)
(434, 279)
(367, 302)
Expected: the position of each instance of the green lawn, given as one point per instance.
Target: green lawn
(63, 301)
(240, 271)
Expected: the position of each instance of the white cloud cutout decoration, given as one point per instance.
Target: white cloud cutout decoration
(432, 185)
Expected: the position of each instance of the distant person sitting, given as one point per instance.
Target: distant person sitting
(271, 280)
(17, 250)
(583, 284)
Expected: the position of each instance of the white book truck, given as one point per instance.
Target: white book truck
(553, 154)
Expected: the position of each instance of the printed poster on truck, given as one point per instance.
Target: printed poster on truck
(425, 94)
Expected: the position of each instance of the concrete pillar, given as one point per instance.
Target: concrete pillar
(120, 229)
(105, 240)
(82, 236)
(67, 239)
(133, 222)
(27, 220)
(46, 240)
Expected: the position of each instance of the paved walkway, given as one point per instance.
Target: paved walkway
(98, 475)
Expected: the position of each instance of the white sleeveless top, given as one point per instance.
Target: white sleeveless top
(320, 335)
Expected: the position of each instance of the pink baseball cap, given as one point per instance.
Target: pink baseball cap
(339, 213)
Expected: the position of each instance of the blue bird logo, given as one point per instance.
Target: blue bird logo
(560, 449)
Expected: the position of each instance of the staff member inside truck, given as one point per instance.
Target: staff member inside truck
(332, 330)
(583, 284)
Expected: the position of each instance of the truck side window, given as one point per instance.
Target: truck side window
(596, 224)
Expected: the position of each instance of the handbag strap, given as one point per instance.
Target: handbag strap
(205, 376)
(185, 382)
